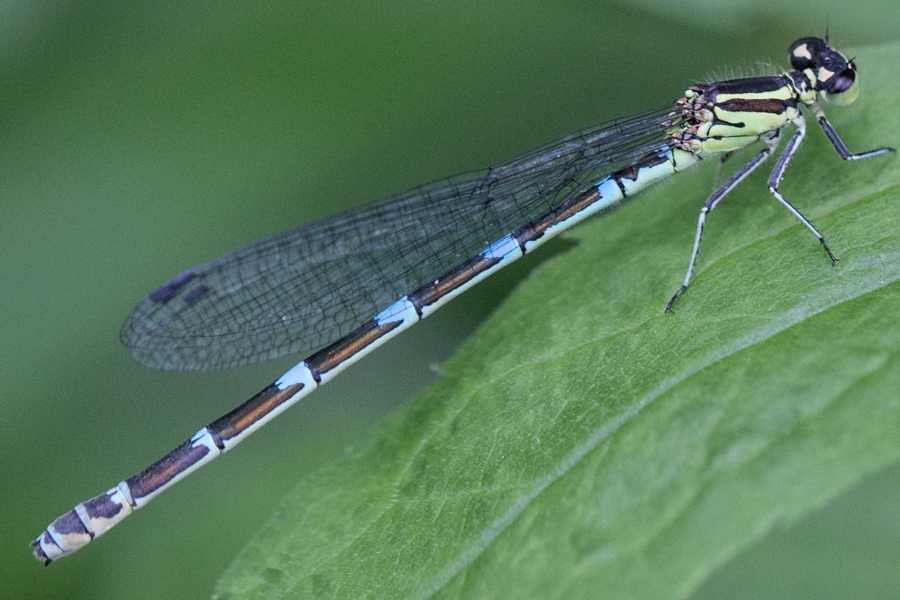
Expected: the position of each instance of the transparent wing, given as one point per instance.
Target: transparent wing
(302, 289)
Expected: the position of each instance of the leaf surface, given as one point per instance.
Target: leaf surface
(583, 443)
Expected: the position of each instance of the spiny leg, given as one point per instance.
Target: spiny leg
(711, 203)
(778, 172)
(791, 148)
(836, 141)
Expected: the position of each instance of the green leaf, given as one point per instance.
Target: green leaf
(586, 444)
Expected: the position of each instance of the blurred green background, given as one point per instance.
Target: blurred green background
(138, 139)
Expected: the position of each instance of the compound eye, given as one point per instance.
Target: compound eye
(840, 83)
(842, 88)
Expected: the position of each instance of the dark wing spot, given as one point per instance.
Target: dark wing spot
(171, 288)
(195, 294)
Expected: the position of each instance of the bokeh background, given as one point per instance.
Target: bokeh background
(138, 139)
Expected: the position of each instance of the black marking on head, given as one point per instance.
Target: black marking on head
(171, 288)
(802, 53)
(834, 73)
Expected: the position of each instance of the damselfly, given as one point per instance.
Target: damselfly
(342, 286)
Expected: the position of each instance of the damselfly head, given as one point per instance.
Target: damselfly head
(831, 73)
